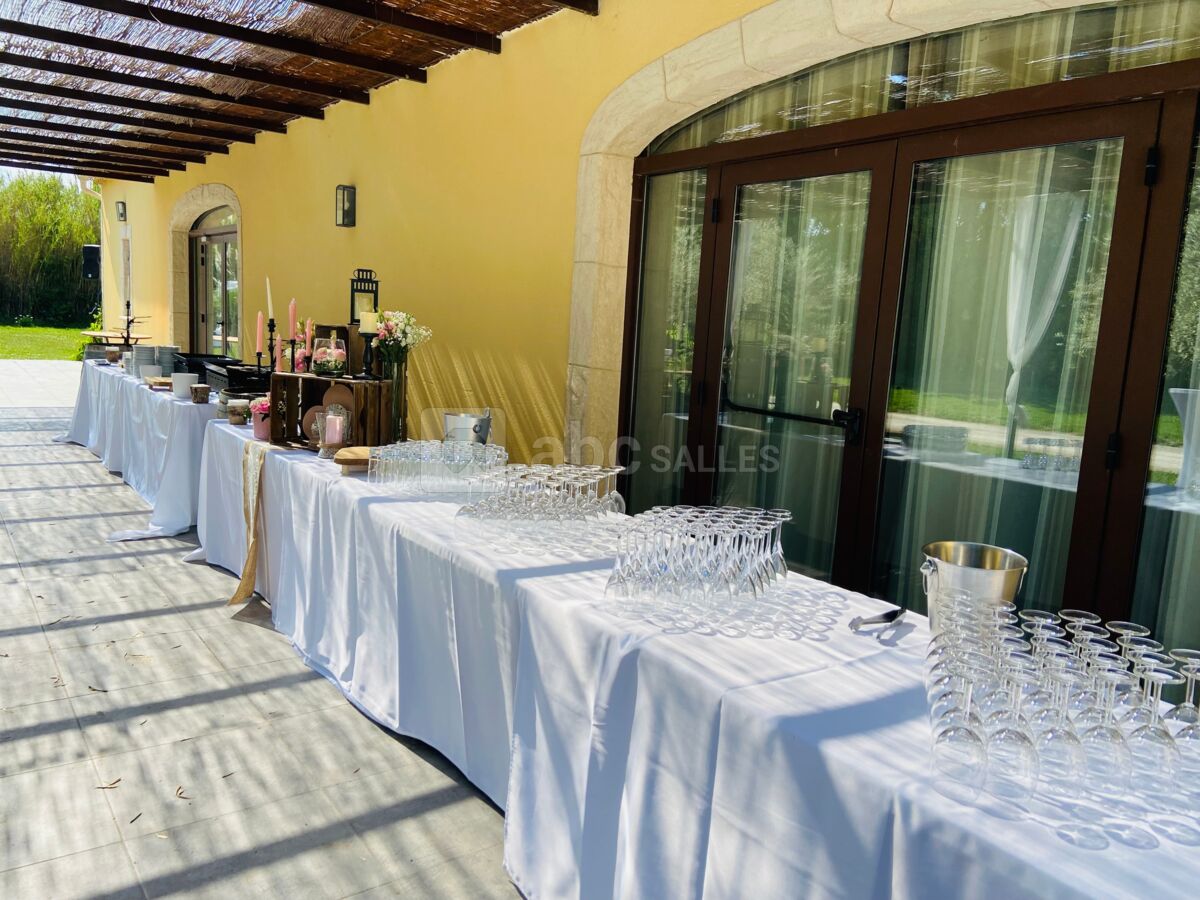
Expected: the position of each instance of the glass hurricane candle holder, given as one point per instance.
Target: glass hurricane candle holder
(329, 357)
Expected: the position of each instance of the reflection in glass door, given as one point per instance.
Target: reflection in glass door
(672, 226)
(1004, 277)
(1167, 585)
(795, 274)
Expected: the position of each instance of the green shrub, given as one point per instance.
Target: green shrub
(23, 321)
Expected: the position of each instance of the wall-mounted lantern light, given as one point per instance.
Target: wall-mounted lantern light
(120, 210)
(364, 293)
(344, 210)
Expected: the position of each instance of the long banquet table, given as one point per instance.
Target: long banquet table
(153, 439)
(635, 763)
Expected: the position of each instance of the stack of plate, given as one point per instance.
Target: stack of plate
(166, 359)
(142, 356)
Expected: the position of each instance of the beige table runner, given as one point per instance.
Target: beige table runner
(253, 455)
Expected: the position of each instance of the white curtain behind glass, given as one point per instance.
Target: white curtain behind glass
(793, 305)
(1002, 247)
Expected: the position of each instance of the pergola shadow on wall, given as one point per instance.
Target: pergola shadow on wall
(779, 39)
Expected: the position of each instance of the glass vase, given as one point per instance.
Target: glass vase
(395, 370)
(329, 357)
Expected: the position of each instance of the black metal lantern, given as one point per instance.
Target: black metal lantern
(364, 293)
(345, 208)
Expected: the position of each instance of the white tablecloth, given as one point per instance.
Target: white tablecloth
(635, 764)
(153, 439)
(334, 562)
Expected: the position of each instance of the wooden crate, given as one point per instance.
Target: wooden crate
(294, 395)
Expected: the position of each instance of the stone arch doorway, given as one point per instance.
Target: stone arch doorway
(188, 209)
(779, 39)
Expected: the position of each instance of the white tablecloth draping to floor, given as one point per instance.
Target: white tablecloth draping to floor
(633, 763)
(152, 438)
(333, 561)
(220, 523)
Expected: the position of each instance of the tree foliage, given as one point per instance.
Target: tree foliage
(44, 221)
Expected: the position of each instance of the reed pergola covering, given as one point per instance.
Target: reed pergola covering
(134, 89)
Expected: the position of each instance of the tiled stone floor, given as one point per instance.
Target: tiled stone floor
(156, 742)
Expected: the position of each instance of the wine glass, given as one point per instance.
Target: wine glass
(1127, 629)
(1186, 713)
(1109, 762)
(1061, 757)
(1155, 757)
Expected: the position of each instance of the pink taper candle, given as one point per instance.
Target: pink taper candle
(258, 340)
(308, 338)
(292, 319)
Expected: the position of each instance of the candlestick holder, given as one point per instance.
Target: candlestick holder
(258, 360)
(292, 345)
(271, 342)
(367, 374)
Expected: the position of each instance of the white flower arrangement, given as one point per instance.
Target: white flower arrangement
(399, 334)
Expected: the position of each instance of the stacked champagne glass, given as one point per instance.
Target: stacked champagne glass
(564, 509)
(712, 570)
(1030, 702)
(428, 467)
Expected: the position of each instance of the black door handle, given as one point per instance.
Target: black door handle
(851, 421)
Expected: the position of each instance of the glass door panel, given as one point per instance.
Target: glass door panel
(795, 275)
(230, 306)
(1167, 587)
(1005, 270)
(215, 304)
(672, 228)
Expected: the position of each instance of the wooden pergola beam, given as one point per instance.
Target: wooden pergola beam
(73, 112)
(114, 149)
(182, 61)
(272, 40)
(73, 170)
(78, 156)
(133, 136)
(382, 14)
(170, 109)
(590, 7)
(93, 162)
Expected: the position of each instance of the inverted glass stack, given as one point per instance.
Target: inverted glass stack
(563, 509)
(1030, 703)
(706, 553)
(430, 467)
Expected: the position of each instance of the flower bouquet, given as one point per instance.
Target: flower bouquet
(399, 334)
(260, 417)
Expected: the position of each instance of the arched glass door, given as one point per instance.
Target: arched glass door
(215, 270)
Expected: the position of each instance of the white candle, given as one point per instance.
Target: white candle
(368, 322)
(270, 305)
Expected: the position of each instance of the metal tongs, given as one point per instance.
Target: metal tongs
(887, 619)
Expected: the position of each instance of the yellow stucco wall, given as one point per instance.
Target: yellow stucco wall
(466, 206)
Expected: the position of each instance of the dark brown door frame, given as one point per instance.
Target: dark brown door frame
(1105, 573)
(1137, 125)
(1117, 554)
(708, 400)
(1061, 96)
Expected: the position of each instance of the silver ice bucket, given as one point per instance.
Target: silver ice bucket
(990, 574)
(467, 427)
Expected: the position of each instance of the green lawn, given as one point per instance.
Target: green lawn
(39, 343)
(969, 409)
